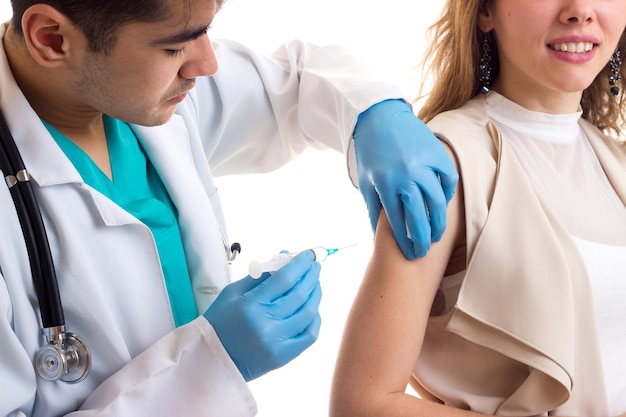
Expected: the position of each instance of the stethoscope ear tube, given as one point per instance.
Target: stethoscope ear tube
(65, 356)
(34, 232)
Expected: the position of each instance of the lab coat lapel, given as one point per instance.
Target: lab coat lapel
(168, 147)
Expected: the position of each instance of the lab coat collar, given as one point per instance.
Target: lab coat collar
(43, 158)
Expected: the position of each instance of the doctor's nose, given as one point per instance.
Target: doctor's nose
(202, 60)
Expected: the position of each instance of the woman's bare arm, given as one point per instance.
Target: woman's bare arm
(385, 329)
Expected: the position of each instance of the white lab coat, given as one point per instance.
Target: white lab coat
(253, 116)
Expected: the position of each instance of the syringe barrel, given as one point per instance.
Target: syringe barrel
(256, 268)
(320, 253)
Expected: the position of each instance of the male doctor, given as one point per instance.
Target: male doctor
(122, 120)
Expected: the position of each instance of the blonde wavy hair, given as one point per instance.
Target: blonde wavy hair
(452, 59)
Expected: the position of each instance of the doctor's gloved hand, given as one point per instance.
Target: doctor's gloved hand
(265, 323)
(402, 164)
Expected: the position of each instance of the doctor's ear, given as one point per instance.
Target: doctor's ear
(49, 35)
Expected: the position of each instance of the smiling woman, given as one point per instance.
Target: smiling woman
(390, 38)
(516, 310)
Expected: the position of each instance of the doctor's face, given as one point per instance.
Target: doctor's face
(551, 50)
(152, 65)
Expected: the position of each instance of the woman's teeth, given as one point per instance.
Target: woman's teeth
(576, 47)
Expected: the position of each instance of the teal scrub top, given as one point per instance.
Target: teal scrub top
(137, 188)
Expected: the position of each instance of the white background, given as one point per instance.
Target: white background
(311, 201)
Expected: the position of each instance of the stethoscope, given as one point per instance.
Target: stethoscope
(65, 356)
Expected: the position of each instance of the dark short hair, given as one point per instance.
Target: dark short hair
(99, 19)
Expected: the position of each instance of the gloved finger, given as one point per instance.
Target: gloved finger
(372, 201)
(417, 221)
(283, 280)
(307, 336)
(298, 325)
(394, 207)
(293, 300)
(449, 181)
(292, 347)
(436, 205)
(286, 339)
(448, 174)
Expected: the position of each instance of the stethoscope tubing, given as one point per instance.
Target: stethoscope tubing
(31, 222)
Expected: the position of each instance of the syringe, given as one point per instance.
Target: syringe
(256, 268)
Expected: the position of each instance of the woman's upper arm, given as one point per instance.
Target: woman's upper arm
(385, 329)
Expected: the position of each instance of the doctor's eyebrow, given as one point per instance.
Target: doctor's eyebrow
(185, 35)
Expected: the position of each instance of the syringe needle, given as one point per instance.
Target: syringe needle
(335, 250)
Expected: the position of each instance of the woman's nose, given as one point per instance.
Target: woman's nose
(577, 11)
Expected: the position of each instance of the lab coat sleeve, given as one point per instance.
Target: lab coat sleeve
(187, 373)
(259, 112)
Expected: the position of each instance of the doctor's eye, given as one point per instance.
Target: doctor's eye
(175, 52)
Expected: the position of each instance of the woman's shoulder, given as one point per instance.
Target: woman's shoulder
(472, 115)
(466, 129)
(465, 126)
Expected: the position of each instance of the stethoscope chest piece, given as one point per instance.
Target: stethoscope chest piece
(65, 357)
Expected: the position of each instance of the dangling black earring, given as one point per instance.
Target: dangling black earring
(615, 62)
(485, 69)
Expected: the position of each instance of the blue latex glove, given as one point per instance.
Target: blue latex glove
(402, 164)
(265, 323)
